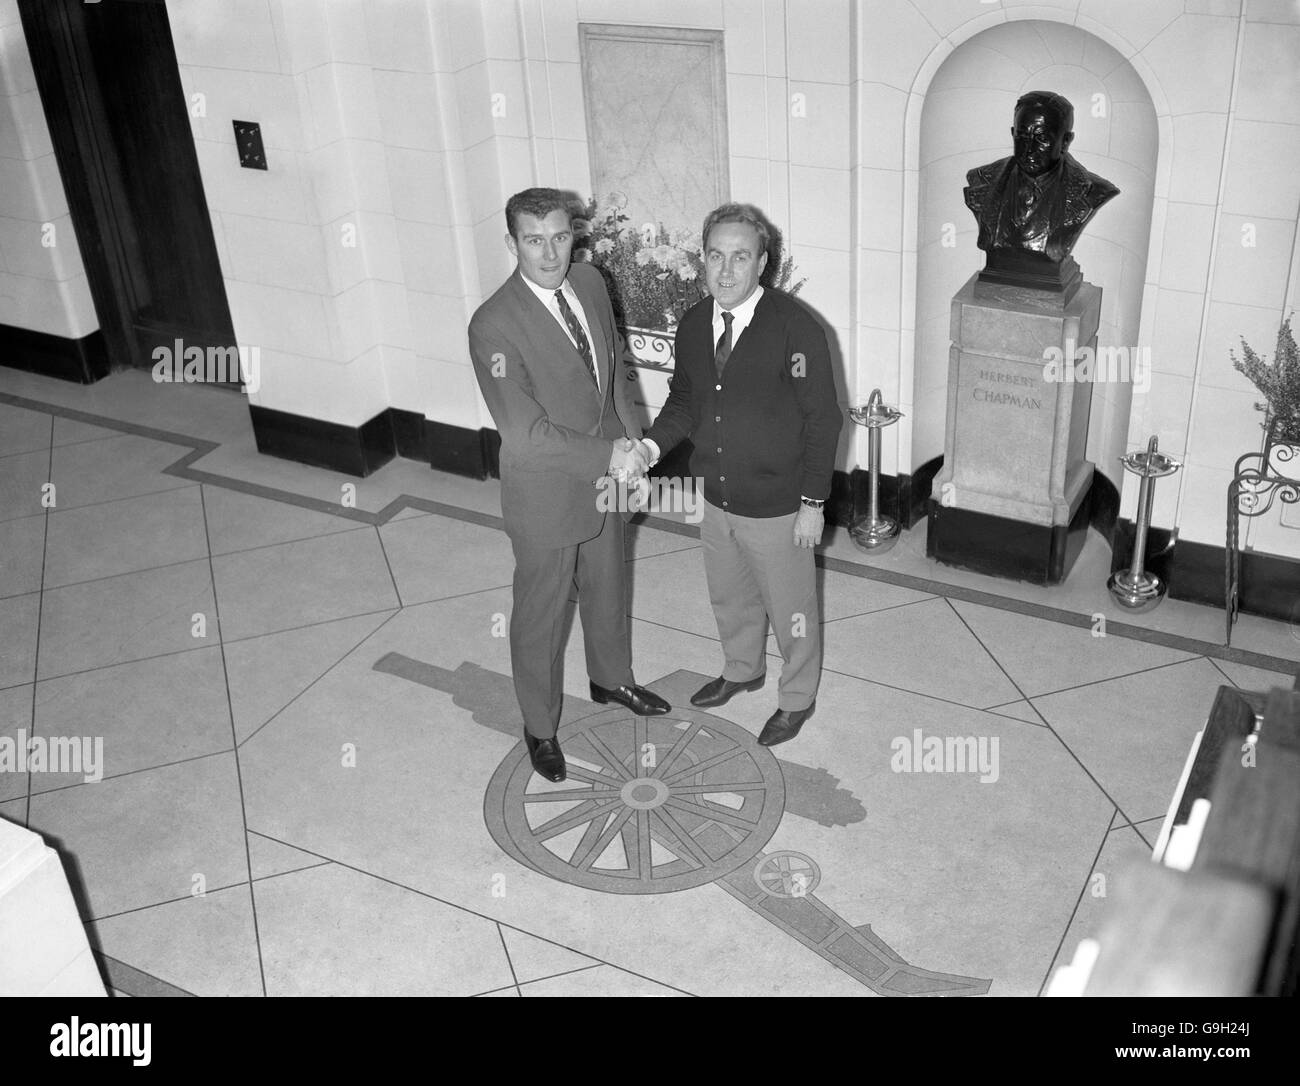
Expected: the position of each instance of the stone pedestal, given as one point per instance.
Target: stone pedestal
(1010, 498)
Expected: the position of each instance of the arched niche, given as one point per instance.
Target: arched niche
(965, 121)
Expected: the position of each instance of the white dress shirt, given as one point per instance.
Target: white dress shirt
(547, 298)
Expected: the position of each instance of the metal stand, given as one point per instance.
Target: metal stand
(874, 532)
(1257, 480)
(1134, 589)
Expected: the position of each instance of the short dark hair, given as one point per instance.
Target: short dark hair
(538, 202)
(1057, 103)
(746, 213)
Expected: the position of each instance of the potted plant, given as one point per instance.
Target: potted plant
(655, 275)
(1279, 381)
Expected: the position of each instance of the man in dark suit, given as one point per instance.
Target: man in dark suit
(548, 359)
(752, 387)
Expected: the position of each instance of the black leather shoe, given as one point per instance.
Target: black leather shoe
(641, 701)
(782, 725)
(720, 691)
(548, 759)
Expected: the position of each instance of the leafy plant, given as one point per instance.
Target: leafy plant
(654, 275)
(1278, 380)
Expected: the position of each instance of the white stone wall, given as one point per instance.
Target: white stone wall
(380, 116)
(43, 285)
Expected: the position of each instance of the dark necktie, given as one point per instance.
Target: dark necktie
(723, 350)
(575, 330)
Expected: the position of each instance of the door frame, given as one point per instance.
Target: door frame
(86, 158)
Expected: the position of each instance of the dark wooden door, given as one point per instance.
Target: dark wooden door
(120, 126)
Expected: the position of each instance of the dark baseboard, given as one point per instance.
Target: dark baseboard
(83, 360)
(409, 439)
(1000, 547)
(352, 450)
(1269, 584)
(459, 450)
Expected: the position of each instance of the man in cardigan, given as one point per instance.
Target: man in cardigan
(753, 389)
(549, 363)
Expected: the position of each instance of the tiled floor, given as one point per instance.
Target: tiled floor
(313, 784)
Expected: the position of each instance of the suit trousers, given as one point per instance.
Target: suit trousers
(543, 584)
(756, 573)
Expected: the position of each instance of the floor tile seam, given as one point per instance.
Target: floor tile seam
(36, 648)
(64, 445)
(1112, 678)
(207, 892)
(509, 961)
(98, 504)
(271, 719)
(114, 968)
(914, 693)
(215, 554)
(1063, 617)
(200, 648)
(878, 610)
(112, 576)
(202, 447)
(538, 980)
(388, 565)
(466, 909)
(234, 738)
(124, 426)
(289, 871)
(126, 773)
(1065, 931)
(1046, 723)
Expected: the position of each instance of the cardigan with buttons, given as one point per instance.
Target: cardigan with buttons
(765, 431)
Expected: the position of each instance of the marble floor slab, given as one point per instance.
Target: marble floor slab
(308, 721)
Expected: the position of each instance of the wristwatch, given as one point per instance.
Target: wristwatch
(816, 503)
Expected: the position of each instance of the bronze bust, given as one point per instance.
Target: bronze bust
(1032, 206)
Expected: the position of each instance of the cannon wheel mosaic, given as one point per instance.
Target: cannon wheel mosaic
(651, 805)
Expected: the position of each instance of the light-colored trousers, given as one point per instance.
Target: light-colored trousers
(756, 574)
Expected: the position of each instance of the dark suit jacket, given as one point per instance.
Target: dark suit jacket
(771, 428)
(555, 426)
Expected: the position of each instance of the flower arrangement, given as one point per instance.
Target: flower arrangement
(655, 275)
(1279, 381)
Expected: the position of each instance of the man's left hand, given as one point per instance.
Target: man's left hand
(808, 524)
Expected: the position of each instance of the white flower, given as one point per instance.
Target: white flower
(642, 257)
(604, 245)
(687, 273)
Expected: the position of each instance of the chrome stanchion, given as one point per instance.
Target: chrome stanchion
(873, 531)
(1134, 589)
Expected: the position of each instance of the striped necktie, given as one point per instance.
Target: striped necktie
(575, 330)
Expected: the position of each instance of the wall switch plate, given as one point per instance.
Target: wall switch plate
(248, 140)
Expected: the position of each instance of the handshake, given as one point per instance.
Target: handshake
(630, 460)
